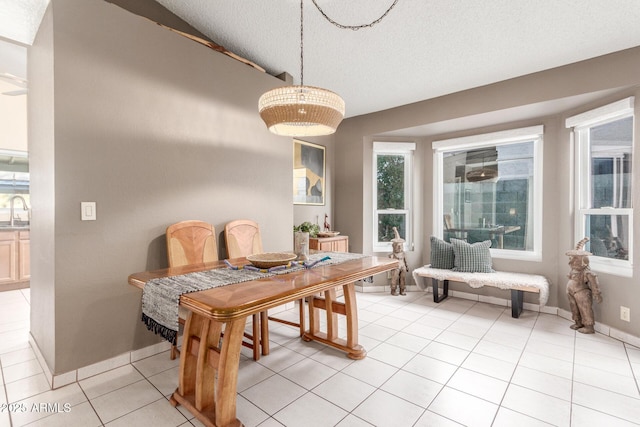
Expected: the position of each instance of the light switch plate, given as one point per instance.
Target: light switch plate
(625, 314)
(88, 211)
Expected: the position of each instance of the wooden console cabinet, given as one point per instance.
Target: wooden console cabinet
(330, 244)
(15, 265)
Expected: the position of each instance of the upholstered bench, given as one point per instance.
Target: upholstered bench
(518, 283)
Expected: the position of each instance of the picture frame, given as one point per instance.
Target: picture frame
(308, 173)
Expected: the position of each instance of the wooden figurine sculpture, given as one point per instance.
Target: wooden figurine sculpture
(327, 226)
(582, 288)
(399, 275)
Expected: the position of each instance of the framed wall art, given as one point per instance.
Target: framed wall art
(308, 173)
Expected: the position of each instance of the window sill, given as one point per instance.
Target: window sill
(517, 255)
(611, 266)
(387, 249)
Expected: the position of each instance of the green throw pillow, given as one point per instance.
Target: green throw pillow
(441, 254)
(472, 258)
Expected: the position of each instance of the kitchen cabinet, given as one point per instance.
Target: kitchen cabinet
(24, 259)
(330, 244)
(15, 262)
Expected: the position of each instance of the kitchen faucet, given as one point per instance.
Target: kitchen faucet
(12, 203)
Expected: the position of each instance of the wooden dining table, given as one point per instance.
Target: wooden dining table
(209, 363)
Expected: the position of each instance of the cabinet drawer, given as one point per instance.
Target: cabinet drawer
(331, 244)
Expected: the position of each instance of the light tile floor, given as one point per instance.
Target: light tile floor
(454, 363)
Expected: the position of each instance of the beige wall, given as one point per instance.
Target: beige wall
(154, 128)
(42, 188)
(545, 98)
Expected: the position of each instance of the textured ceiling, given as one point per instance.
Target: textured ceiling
(422, 49)
(19, 22)
(20, 19)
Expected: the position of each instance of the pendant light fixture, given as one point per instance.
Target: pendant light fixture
(301, 110)
(483, 174)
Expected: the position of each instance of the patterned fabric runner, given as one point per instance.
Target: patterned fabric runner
(161, 297)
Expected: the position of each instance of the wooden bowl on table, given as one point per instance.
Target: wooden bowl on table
(271, 259)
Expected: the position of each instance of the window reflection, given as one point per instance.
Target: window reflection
(488, 195)
(610, 188)
(611, 146)
(609, 235)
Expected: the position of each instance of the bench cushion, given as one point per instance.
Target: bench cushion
(498, 279)
(472, 258)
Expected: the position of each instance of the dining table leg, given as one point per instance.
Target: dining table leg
(356, 350)
(208, 373)
(332, 308)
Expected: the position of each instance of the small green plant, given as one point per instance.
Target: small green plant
(312, 229)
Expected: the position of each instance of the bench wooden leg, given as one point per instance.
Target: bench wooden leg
(445, 290)
(517, 300)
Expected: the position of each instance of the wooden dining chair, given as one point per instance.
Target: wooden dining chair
(190, 242)
(194, 242)
(243, 238)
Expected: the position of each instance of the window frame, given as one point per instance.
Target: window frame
(511, 136)
(580, 125)
(407, 150)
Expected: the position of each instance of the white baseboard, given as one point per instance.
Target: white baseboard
(59, 380)
(43, 364)
(378, 288)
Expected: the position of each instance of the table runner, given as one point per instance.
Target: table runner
(161, 297)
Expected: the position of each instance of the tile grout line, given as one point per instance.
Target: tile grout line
(467, 356)
(635, 377)
(454, 372)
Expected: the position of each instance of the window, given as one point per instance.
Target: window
(603, 150)
(489, 187)
(392, 166)
(14, 188)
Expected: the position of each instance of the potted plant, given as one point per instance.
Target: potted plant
(307, 227)
(301, 234)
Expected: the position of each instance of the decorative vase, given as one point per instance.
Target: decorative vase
(301, 245)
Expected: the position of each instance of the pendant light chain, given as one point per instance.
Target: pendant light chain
(301, 44)
(355, 27)
(337, 24)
